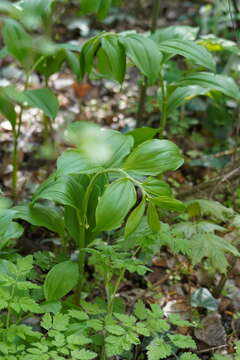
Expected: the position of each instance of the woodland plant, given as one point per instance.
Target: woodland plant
(107, 201)
(108, 179)
(104, 55)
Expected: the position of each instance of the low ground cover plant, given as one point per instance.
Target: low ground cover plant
(110, 205)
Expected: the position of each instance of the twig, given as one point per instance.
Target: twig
(233, 174)
(224, 179)
(211, 349)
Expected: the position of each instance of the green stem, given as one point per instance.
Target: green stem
(81, 264)
(163, 118)
(114, 292)
(16, 135)
(143, 87)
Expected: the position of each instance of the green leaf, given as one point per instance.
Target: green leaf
(211, 208)
(175, 32)
(182, 341)
(158, 349)
(153, 218)
(189, 356)
(222, 83)
(190, 50)
(60, 280)
(41, 215)
(43, 99)
(117, 200)
(115, 329)
(73, 61)
(168, 203)
(204, 299)
(66, 190)
(7, 110)
(101, 147)
(88, 52)
(140, 310)
(153, 157)
(83, 354)
(90, 6)
(74, 162)
(142, 134)
(113, 61)
(183, 94)
(213, 247)
(157, 187)
(46, 322)
(135, 218)
(144, 53)
(104, 8)
(18, 42)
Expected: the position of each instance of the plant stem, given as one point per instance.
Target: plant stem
(114, 292)
(81, 261)
(16, 135)
(163, 118)
(143, 87)
(141, 102)
(220, 286)
(155, 15)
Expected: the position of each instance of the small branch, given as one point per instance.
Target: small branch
(233, 174)
(211, 349)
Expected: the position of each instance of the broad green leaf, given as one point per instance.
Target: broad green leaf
(153, 157)
(214, 248)
(66, 190)
(142, 134)
(113, 61)
(88, 52)
(72, 223)
(105, 148)
(104, 8)
(52, 64)
(11, 9)
(190, 50)
(153, 218)
(135, 218)
(168, 203)
(204, 299)
(40, 215)
(73, 61)
(18, 42)
(43, 99)
(7, 110)
(144, 53)
(117, 200)
(157, 187)
(97, 191)
(90, 6)
(14, 231)
(183, 94)
(36, 13)
(222, 83)
(74, 162)
(60, 280)
(175, 32)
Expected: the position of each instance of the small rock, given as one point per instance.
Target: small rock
(212, 332)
